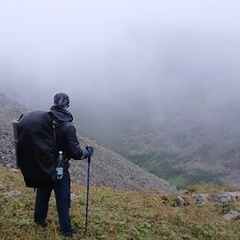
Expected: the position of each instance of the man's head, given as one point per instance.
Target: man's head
(61, 100)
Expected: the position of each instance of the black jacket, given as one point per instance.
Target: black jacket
(66, 137)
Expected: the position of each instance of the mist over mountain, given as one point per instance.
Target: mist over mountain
(107, 167)
(156, 81)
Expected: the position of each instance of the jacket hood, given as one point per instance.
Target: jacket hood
(61, 114)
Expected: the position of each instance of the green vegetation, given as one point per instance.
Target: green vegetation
(197, 176)
(162, 165)
(204, 151)
(211, 188)
(180, 139)
(113, 214)
(229, 154)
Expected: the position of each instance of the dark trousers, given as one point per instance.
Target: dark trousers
(63, 200)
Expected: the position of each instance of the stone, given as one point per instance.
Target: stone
(231, 215)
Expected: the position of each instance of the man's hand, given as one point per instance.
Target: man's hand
(90, 150)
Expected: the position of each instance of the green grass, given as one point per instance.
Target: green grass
(114, 214)
(162, 165)
(187, 179)
(179, 181)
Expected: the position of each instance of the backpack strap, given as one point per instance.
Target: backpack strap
(55, 124)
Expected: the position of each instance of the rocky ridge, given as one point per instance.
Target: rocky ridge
(107, 167)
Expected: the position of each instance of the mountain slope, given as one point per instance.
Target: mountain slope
(107, 167)
(194, 139)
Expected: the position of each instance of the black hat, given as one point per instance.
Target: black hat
(61, 100)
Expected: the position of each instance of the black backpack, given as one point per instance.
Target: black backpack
(37, 152)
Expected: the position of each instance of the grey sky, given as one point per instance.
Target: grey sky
(104, 51)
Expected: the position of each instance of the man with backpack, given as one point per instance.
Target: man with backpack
(67, 142)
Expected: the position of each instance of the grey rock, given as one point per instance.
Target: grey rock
(201, 199)
(13, 192)
(231, 215)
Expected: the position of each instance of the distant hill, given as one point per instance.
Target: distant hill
(107, 167)
(194, 139)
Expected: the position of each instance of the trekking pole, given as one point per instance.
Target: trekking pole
(88, 183)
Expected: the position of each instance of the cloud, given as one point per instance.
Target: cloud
(116, 54)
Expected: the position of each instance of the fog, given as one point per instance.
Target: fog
(117, 59)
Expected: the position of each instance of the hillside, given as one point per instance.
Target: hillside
(107, 167)
(195, 138)
(119, 215)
